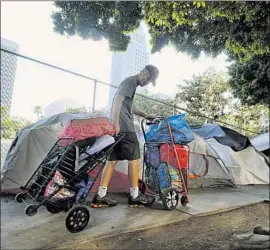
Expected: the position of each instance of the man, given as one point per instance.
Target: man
(128, 148)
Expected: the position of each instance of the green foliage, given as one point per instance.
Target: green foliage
(252, 118)
(154, 107)
(251, 81)
(76, 110)
(97, 20)
(205, 95)
(239, 26)
(11, 125)
(210, 95)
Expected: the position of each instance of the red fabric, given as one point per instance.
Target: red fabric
(167, 154)
(85, 128)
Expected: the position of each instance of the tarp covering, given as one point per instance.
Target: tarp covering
(233, 139)
(29, 151)
(208, 130)
(261, 142)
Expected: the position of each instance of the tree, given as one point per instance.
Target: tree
(98, 20)
(250, 118)
(153, 104)
(210, 95)
(76, 110)
(10, 126)
(250, 81)
(190, 26)
(239, 28)
(204, 95)
(38, 111)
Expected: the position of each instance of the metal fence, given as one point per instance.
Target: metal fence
(32, 89)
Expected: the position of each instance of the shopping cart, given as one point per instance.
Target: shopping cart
(168, 192)
(64, 179)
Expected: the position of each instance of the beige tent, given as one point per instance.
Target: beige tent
(217, 164)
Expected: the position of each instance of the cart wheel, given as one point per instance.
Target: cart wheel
(142, 187)
(170, 199)
(53, 209)
(30, 210)
(77, 219)
(20, 197)
(184, 200)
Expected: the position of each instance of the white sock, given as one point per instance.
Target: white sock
(102, 191)
(134, 192)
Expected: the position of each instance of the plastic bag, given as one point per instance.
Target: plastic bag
(163, 176)
(84, 189)
(151, 179)
(181, 131)
(53, 185)
(151, 131)
(152, 156)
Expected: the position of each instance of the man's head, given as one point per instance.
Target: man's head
(148, 74)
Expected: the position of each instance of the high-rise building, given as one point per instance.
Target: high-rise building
(8, 72)
(130, 62)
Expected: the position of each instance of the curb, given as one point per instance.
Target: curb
(152, 226)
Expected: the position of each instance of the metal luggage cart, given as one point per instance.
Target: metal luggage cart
(61, 158)
(170, 196)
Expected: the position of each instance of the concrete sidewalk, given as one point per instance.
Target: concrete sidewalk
(45, 230)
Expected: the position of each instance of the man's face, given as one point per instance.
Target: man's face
(144, 78)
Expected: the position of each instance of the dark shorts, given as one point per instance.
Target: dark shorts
(127, 149)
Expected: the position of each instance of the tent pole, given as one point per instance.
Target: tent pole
(94, 96)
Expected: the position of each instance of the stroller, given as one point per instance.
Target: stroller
(167, 168)
(65, 177)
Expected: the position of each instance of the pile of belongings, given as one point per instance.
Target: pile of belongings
(162, 166)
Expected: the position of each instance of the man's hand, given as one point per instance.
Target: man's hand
(116, 127)
(150, 117)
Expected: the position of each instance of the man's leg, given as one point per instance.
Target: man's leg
(107, 173)
(101, 199)
(133, 174)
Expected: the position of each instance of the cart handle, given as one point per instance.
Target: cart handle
(150, 122)
(158, 119)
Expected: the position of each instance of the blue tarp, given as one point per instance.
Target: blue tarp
(182, 133)
(208, 131)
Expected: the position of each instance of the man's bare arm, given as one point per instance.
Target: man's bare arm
(141, 114)
(116, 109)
